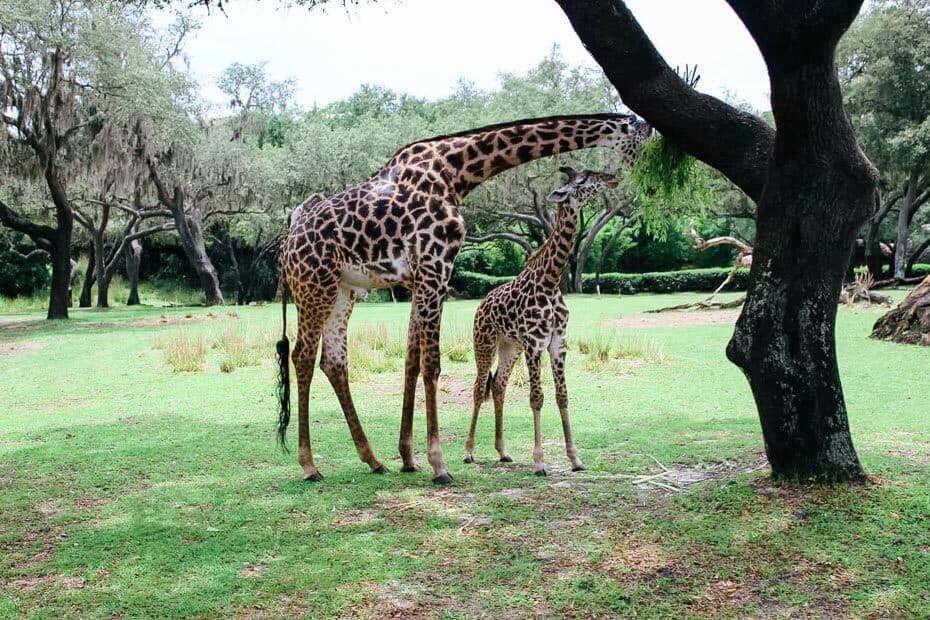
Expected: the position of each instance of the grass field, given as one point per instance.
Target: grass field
(129, 489)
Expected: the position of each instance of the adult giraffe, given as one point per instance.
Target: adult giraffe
(401, 226)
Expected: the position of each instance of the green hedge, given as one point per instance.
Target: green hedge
(477, 285)
(702, 280)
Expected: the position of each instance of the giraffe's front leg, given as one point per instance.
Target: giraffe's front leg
(533, 364)
(429, 308)
(411, 374)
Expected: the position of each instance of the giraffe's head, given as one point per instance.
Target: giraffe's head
(628, 136)
(582, 184)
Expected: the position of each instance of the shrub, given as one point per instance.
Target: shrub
(921, 269)
(700, 280)
(21, 276)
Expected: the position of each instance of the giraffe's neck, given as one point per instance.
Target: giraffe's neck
(468, 159)
(548, 262)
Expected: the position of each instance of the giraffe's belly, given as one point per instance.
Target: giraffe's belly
(383, 274)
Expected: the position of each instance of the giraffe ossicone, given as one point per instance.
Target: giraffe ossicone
(528, 316)
(401, 226)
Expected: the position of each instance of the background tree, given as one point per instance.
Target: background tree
(813, 187)
(68, 73)
(883, 60)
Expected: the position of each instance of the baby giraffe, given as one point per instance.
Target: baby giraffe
(528, 315)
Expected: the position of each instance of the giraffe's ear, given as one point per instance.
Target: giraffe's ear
(559, 195)
(567, 170)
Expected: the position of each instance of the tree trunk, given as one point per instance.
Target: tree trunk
(874, 258)
(813, 187)
(909, 322)
(820, 189)
(133, 262)
(103, 279)
(190, 230)
(904, 221)
(89, 279)
(234, 267)
(60, 293)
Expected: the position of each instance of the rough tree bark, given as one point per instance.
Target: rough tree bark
(813, 187)
(909, 322)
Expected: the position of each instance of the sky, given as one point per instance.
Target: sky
(424, 47)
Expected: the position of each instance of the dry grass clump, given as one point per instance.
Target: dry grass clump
(184, 351)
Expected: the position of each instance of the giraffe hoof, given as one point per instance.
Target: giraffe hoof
(381, 469)
(409, 469)
(317, 477)
(442, 479)
(540, 472)
(469, 459)
(506, 459)
(579, 468)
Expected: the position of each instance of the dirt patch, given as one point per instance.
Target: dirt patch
(677, 319)
(57, 404)
(187, 319)
(17, 348)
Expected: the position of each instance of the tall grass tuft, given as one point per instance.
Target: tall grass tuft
(455, 343)
(374, 349)
(606, 351)
(183, 351)
(241, 348)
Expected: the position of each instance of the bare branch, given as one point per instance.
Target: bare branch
(502, 236)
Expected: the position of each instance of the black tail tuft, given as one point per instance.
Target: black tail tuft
(487, 386)
(284, 390)
(283, 348)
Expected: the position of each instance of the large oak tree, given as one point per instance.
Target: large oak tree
(813, 186)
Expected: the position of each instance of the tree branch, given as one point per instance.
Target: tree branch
(11, 219)
(734, 142)
(502, 236)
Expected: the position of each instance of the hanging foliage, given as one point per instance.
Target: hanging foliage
(668, 184)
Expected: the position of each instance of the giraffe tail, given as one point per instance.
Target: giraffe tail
(284, 372)
(487, 386)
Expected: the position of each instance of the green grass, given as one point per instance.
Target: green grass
(131, 490)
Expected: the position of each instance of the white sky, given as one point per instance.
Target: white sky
(423, 47)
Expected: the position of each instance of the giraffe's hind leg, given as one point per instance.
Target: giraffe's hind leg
(334, 364)
(507, 353)
(309, 329)
(485, 346)
(557, 359)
